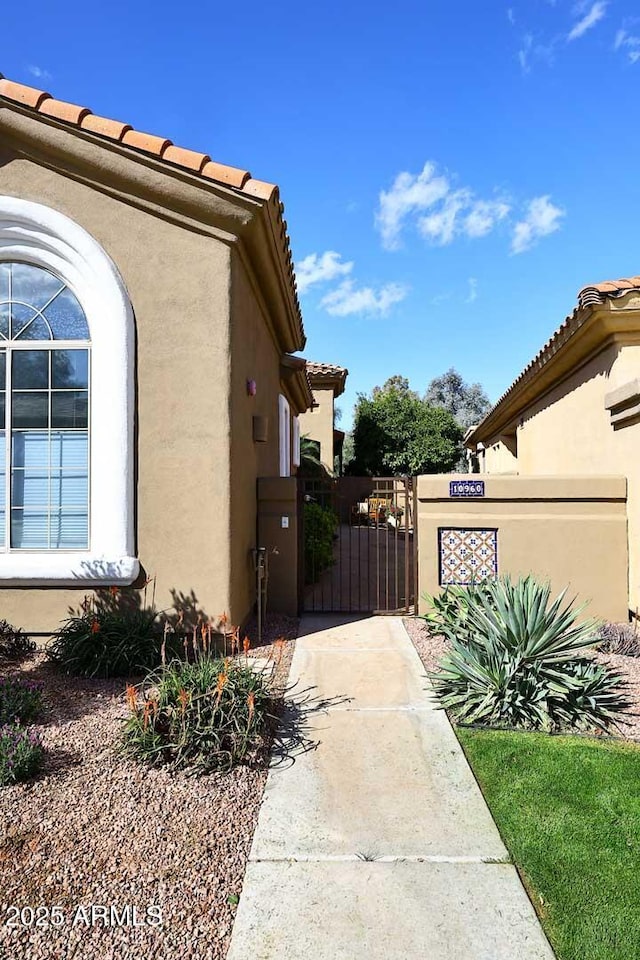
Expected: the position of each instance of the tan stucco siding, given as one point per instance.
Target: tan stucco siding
(178, 282)
(569, 430)
(568, 530)
(254, 356)
(317, 424)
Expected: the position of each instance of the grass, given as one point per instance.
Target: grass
(568, 809)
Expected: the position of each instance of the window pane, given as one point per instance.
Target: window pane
(3, 530)
(21, 314)
(69, 529)
(4, 320)
(30, 449)
(33, 285)
(67, 318)
(69, 409)
(29, 529)
(30, 370)
(2, 410)
(69, 490)
(29, 489)
(37, 329)
(70, 368)
(69, 451)
(3, 498)
(31, 410)
(3, 370)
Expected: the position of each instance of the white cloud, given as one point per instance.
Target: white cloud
(483, 216)
(511, 17)
(629, 44)
(473, 290)
(319, 268)
(440, 212)
(38, 72)
(348, 299)
(589, 20)
(524, 53)
(541, 219)
(409, 193)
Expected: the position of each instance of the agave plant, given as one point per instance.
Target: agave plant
(516, 659)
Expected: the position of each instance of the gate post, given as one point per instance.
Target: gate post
(278, 533)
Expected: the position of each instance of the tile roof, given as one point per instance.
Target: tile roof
(191, 160)
(589, 296)
(325, 369)
(598, 292)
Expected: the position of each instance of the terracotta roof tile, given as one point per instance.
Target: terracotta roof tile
(186, 158)
(325, 369)
(22, 94)
(69, 112)
(113, 129)
(224, 174)
(191, 160)
(598, 292)
(146, 142)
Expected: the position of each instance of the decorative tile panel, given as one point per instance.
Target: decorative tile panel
(467, 555)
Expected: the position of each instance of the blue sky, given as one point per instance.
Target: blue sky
(452, 173)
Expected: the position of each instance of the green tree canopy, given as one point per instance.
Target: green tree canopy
(467, 402)
(396, 433)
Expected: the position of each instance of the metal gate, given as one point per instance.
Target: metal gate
(357, 545)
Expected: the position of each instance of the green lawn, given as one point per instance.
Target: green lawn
(568, 809)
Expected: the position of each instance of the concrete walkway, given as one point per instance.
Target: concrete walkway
(376, 844)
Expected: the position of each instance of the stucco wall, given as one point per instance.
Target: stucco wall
(317, 424)
(570, 431)
(569, 530)
(253, 357)
(178, 281)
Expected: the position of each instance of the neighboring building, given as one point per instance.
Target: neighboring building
(575, 409)
(148, 311)
(327, 383)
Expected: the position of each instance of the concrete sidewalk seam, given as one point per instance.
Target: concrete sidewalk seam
(386, 858)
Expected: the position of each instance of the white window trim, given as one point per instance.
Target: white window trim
(33, 233)
(296, 441)
(284, 418)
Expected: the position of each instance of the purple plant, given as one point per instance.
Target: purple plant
(21, 753)
(20, 700)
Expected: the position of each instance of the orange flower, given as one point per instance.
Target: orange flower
(251, 699)
(223, 618)
(183, 698)
(222, 679)
(146, 715)
(95, 626)
(114, 591)
(132, 698)
(246, 644)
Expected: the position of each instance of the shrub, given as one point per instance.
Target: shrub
(201, 716)
(20, 700)
(14, 643)
(319, 528)
(619, 638)
(109, 637)
(21, 754)
(515, 660)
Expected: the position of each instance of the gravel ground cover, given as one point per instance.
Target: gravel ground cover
(430, 650)
(95, 830)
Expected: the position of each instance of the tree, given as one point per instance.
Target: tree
(467, 402)
(396, 433)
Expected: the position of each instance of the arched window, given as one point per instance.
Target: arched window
(66, 405)
(44, 412)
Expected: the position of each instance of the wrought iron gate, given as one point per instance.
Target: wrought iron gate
(357, 545)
